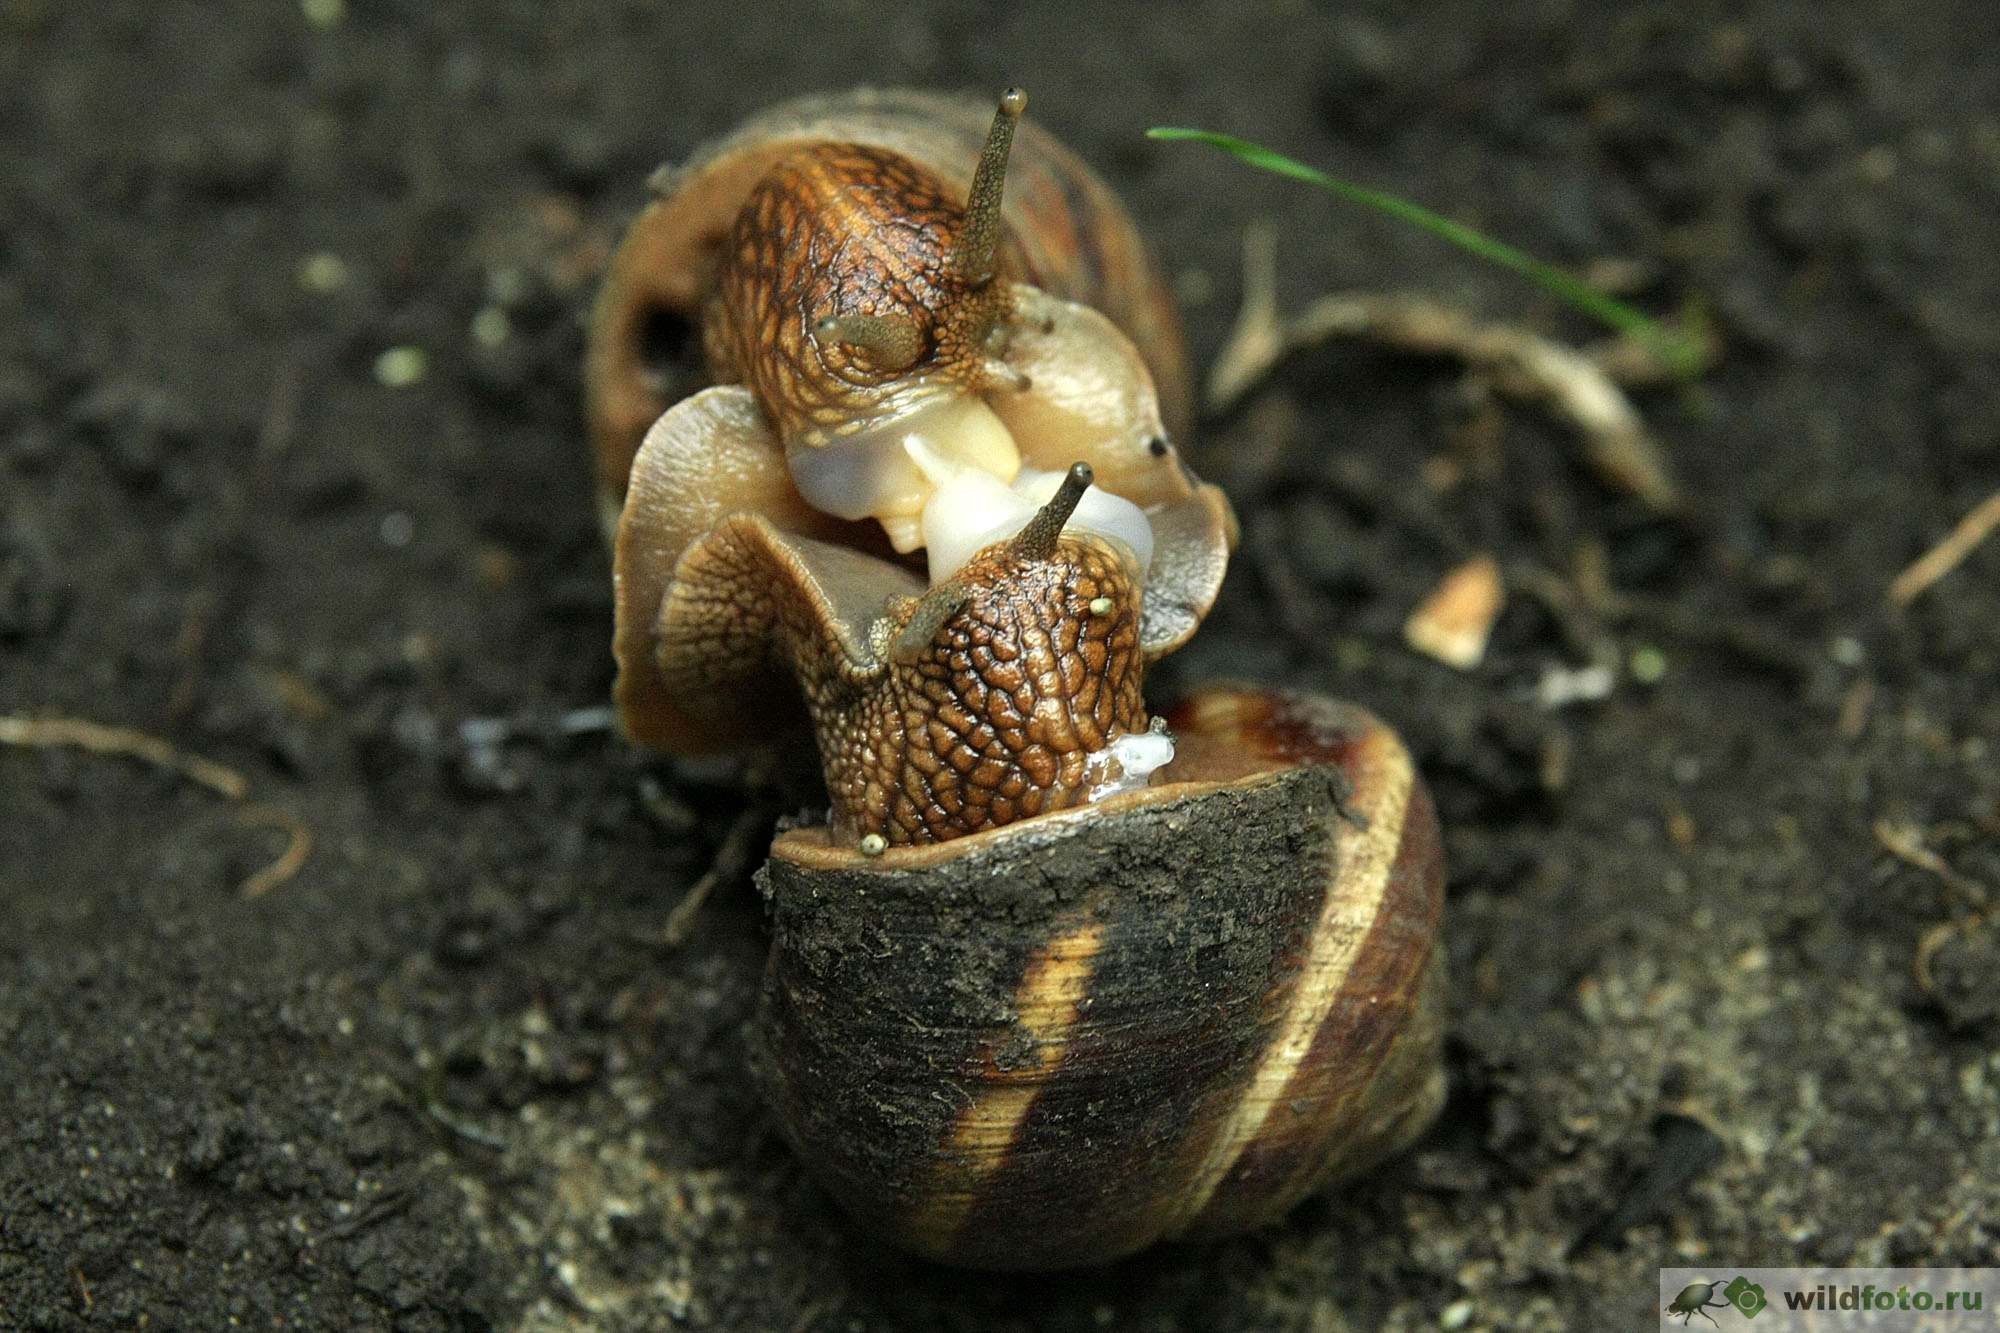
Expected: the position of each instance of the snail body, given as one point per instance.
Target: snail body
(1052, 978)
(842, 211)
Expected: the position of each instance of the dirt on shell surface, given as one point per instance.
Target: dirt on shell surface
(291, 477)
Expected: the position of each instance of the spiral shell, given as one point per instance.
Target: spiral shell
(1177, 1012)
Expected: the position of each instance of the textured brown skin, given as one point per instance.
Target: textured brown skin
(1066, 232)
(844, 229)
(998, 717)
(956, 1101)
(992, 719)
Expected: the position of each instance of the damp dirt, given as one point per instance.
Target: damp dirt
(292, 478)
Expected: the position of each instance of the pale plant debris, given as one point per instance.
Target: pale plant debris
(1935, 938)
(290, 861)
(97, 738)
(1517, 363)
(1946, 556)
(1560, 685)
(1907, 844)
(1455, 621)
(60, 732)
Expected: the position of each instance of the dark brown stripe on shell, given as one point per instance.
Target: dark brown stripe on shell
(1308, 1137)
(874, 1035)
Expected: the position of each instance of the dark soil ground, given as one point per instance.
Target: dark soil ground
(446, 1076)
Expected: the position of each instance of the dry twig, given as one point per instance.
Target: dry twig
(1906, 843)
(732, 861)
(1941, 559)
(75, 733)
(1935, 939)
(96, 738)
(289, 862)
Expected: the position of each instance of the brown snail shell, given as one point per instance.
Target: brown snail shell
(1175, 1013)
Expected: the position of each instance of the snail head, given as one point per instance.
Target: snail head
(1002, 685)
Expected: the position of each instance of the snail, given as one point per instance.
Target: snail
(1052, 977)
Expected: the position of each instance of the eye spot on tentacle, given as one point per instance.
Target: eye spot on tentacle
(1158, 446)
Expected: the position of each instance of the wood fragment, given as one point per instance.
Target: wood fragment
(1454, 623)
(95, 737)
(1946, 556)
(1519, 364)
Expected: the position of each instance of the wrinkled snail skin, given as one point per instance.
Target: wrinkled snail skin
(975, 704)
(1175, 1013)
(1065, 233)
(1052, 978)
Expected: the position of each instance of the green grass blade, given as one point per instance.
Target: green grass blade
(1679, 352)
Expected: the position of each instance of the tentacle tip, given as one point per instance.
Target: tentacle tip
(1014, 102)
(1081, 474)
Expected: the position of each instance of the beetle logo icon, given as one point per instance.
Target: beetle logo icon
(1696, 1299)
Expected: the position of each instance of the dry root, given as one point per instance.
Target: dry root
(1578, 388)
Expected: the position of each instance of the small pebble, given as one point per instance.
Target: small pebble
(400, 367)
(507, 286)
(397, 529)
(491, 327)
(1649, 665)
(323, 273)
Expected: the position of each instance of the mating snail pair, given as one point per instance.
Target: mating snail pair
(1055, 978)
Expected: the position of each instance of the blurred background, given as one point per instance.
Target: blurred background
(292, 480)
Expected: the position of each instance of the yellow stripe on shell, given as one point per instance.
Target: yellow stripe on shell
(1363, 855)
(1046, 1004)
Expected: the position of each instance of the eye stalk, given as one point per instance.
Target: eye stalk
(1038, 540)
(981, 239)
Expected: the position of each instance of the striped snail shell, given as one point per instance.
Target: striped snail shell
(1174, 1013)
(1053, 978)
